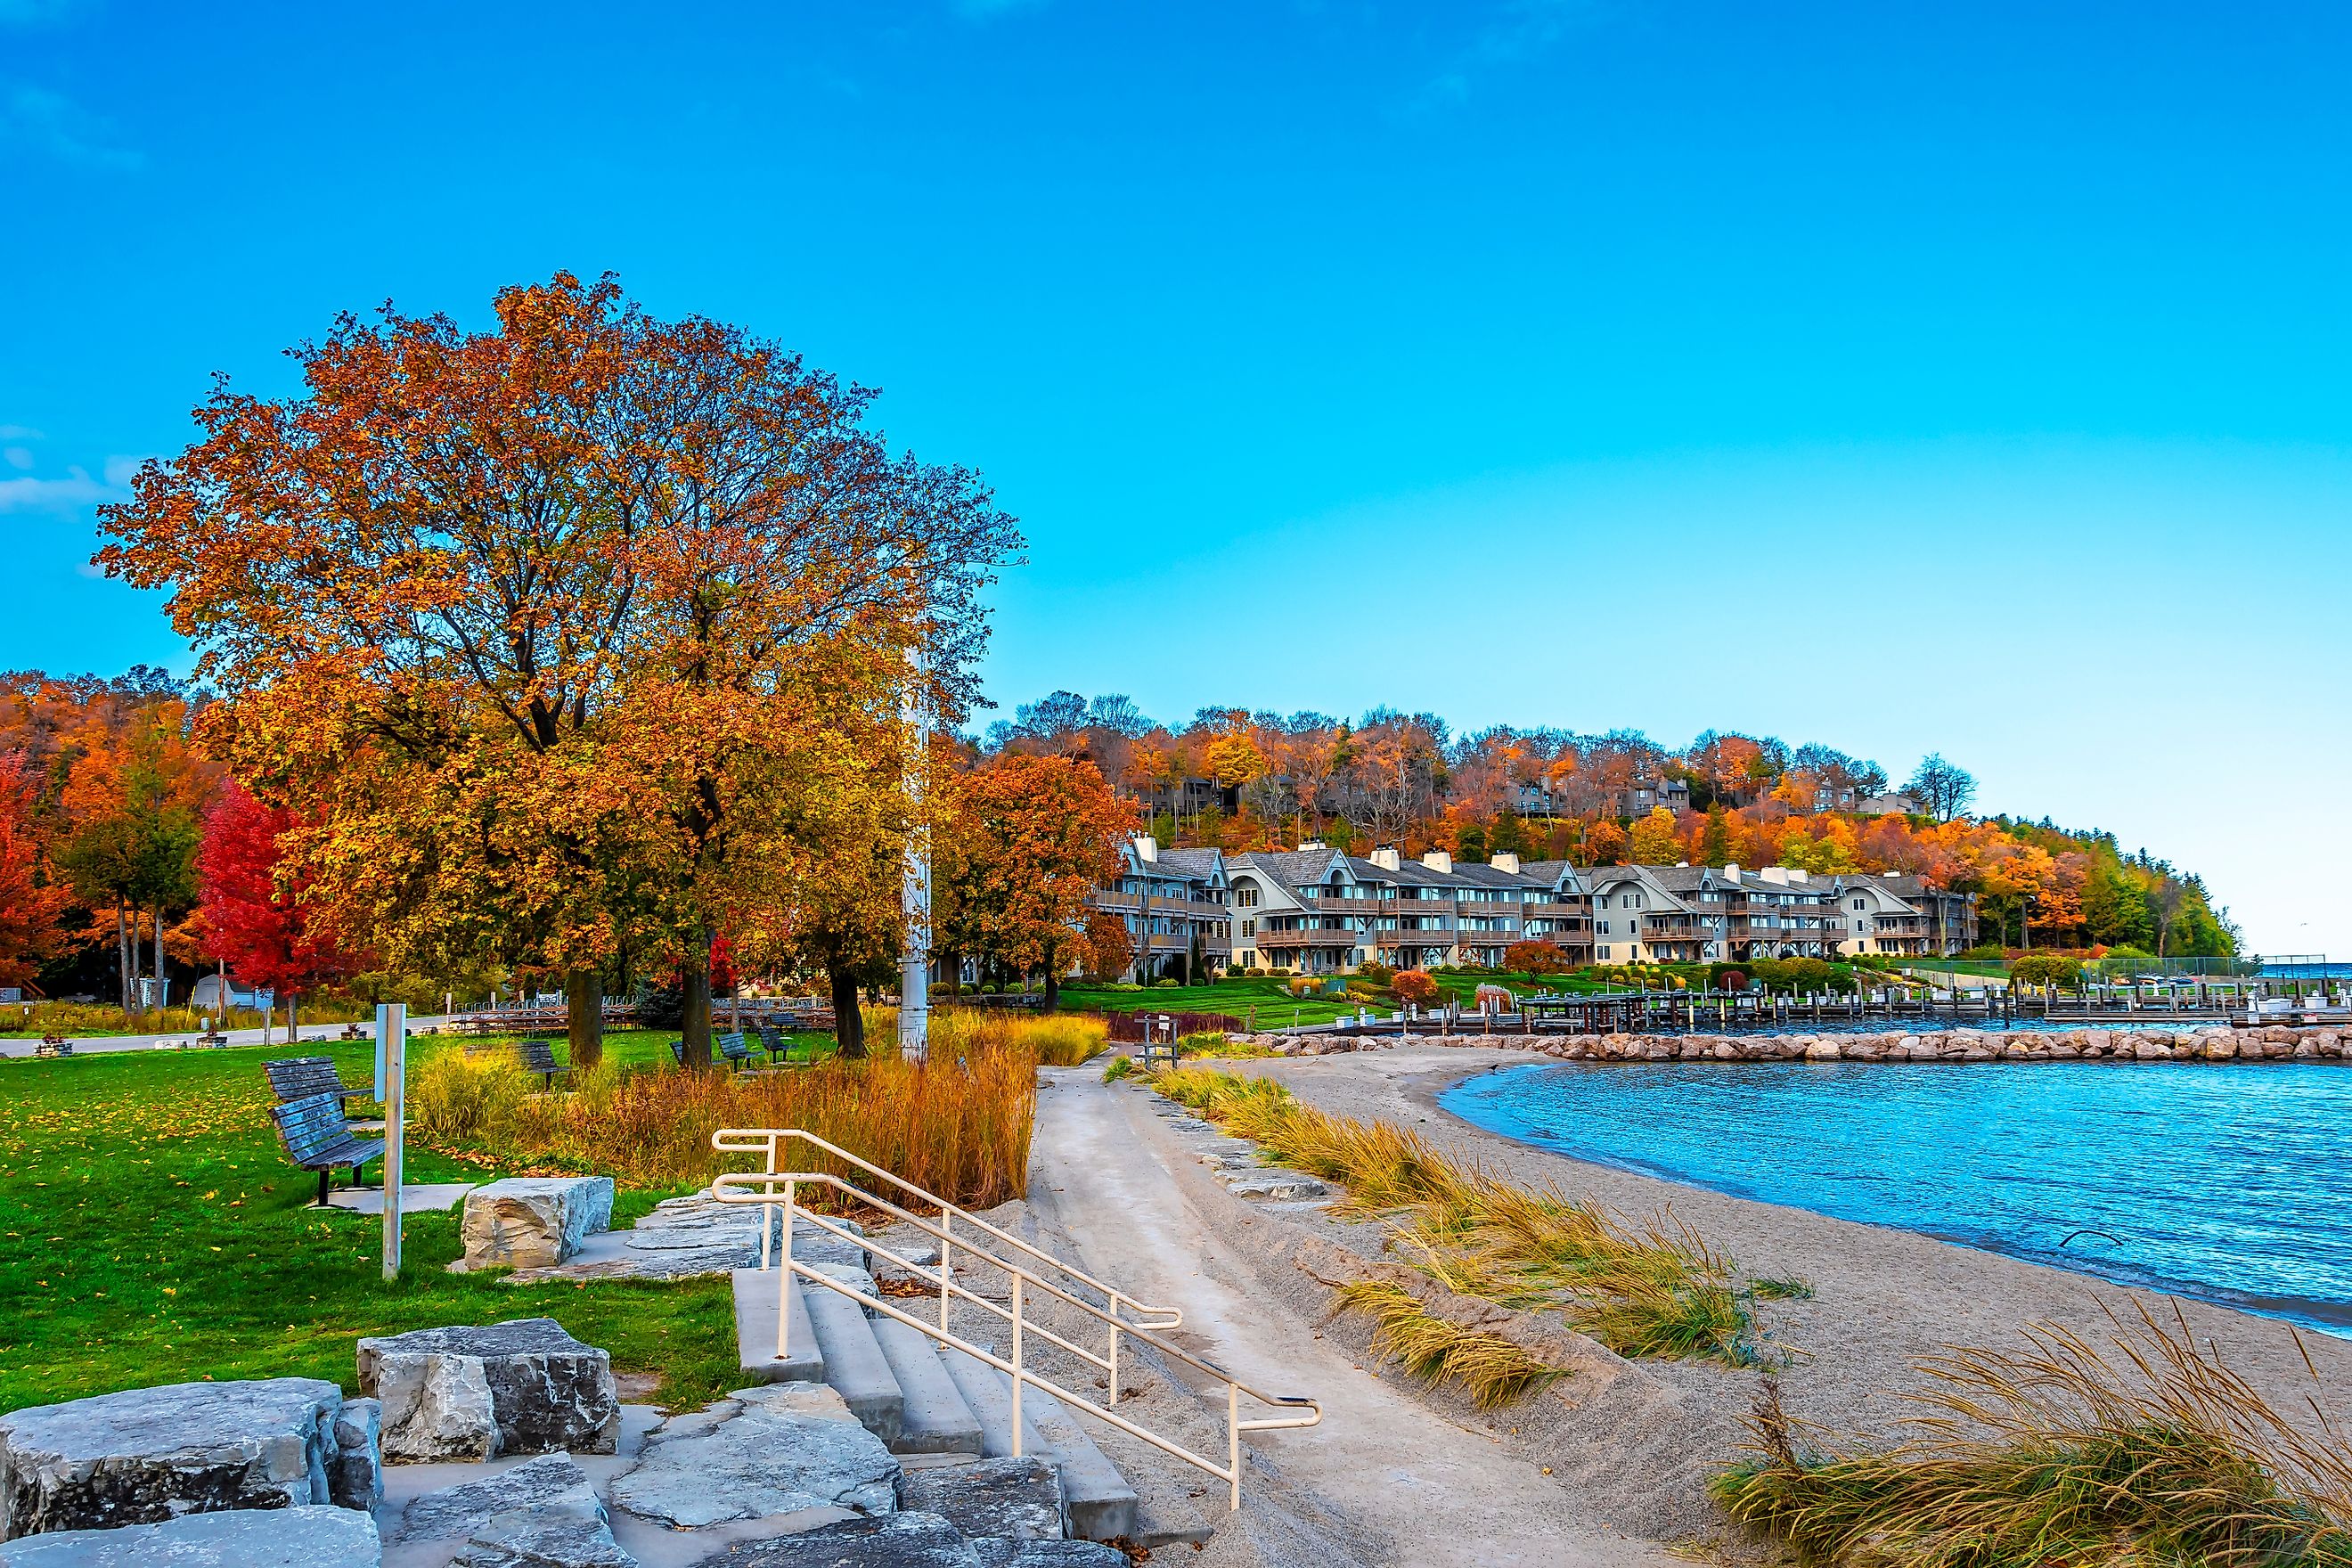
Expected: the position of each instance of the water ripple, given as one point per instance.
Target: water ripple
(2221, 1182)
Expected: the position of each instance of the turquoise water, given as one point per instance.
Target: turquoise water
(2229, 1183)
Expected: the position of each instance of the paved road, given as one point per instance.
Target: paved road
(1440, 1493)
(92, 1045)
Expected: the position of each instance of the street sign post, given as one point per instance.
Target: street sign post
(392, 1089)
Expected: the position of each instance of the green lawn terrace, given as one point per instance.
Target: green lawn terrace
(1270, 1001)
(151, 1231)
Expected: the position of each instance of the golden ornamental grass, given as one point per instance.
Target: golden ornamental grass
(958, 1126)
(2146, 1451)
(1654, 1290)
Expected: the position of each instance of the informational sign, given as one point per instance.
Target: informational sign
(12, 993)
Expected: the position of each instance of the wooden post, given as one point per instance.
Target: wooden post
(392, 1057)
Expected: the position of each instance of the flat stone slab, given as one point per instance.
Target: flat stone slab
(1277, 1185)
(523, 1386)
(424, 1198)
(142, 1455)
(533, 1222)
(312, 1536)
(762, 1461)
(895, 1540)
(542, 1513)
(355, 1475)
(1017, 1499)
(690, 1237)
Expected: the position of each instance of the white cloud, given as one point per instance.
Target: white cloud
(73, 492)
(17, 456)
(121, 471)
(18, 433)
(39, 120)
(1518, 31)
(989, 10)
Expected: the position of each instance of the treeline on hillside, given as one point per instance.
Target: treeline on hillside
(1243, 780)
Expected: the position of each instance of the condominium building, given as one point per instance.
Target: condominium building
(1319, 910)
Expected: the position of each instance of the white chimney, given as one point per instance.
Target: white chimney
(1776, 874)
(1731, 872)
(1147, 849)
(1505, 862)
(1385, 858)
(1797, 876)
(1311, 844)
(1438, 860)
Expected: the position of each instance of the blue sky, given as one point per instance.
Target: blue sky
(1966, 377)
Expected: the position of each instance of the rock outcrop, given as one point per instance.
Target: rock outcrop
(533, 1222)
(312, 1536)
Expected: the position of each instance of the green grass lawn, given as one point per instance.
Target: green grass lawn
(1276, 1008)
(152, 1232)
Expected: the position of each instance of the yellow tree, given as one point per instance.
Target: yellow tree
(1655, 839)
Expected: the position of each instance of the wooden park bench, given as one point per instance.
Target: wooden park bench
(532, 1056)
(776, 1043)
(730, 1048)
(317, 1138)
(299, 1077)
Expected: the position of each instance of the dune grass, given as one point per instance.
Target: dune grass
(1057, 1040)
(2145, 1452)
(1488, 1368)
(1655, 1289)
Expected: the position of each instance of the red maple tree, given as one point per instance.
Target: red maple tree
(257, 925)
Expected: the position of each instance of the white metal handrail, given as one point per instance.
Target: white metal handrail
(767, 1141)
(760, 1187)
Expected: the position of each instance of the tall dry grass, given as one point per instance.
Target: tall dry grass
(1656, 1290)
(959, 1125)
(1487, 1367)
(2142, 1452)
(1057, 1040)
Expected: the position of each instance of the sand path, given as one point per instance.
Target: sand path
(1424, 1489)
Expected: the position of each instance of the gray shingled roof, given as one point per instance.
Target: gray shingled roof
(1291, 868)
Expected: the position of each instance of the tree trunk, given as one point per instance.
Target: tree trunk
(848, 1019)
(583, 1004)
(123, 955)
(1053, 985)
(694, 1026)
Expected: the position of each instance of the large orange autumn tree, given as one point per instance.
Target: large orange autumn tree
(1032, 838)
(526, 628)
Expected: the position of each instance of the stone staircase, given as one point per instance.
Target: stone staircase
(930, 1404)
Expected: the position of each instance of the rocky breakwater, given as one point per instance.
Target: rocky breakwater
(2214, 1044)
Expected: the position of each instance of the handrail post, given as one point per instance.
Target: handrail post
(784, 1283)
(1234, 1437)
(1113, 1348)
(946, 1223)
(1017, 1365)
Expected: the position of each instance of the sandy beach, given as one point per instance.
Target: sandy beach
(1882, 1298)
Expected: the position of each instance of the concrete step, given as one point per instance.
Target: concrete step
(934, 1417)
(1095, 1497)
(988, 1394)
(755, 1329)
(1099, 1503)
(855, 1367)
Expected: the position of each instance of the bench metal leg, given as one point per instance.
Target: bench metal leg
(324, 1172)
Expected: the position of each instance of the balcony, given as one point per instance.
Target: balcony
(1276, 939)
(1350, 906)
(1577, 910)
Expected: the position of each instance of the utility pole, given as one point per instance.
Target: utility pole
(915, 877)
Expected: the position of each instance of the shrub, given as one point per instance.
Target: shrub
(1731, 980)
(1414, 985)
(1536, 958)
(2046, 970)
(462, 1099)
(1119, 1068)
(1375, 973)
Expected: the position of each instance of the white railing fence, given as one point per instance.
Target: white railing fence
(963, 1235)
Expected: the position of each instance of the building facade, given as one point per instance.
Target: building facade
(1319, 910)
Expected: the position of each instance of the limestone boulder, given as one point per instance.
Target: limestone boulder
(542, 1513)
(762, 1461)
(141, 1455)
(533, 1222)
(1014, 1500)
(996, 1552)
(311, 1536)
(519, 1387)
(356, 1476)
(897, 1540)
